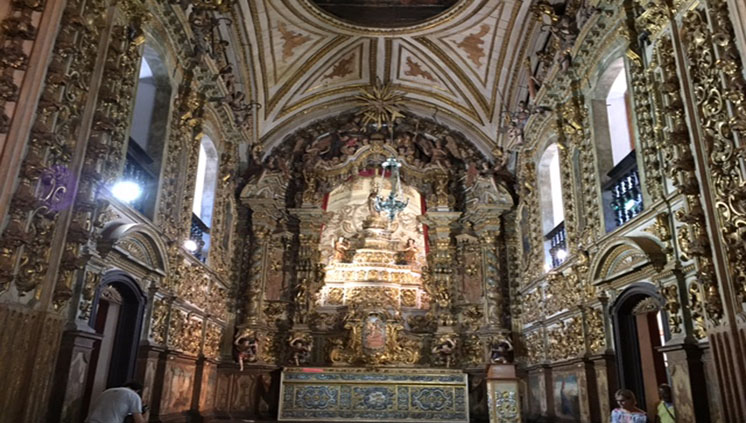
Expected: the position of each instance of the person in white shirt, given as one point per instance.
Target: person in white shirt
(115, 404)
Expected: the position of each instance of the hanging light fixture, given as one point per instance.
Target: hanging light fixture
(392, 205)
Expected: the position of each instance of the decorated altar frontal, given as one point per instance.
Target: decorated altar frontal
(373, 395)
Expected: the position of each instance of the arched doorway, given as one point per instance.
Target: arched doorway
(117, 317)
(640, 328)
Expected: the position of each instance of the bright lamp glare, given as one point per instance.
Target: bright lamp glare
(561, 254)
(190, 245)
(126, 191)
(629, 205)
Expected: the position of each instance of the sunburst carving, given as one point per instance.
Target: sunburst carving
(381, 104)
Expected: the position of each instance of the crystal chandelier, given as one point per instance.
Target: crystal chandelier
(392, 204)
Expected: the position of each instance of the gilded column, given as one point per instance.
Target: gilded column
(710, 62)
(487, 226)
(439, 276)
(309, 277)
(262, 225)
(576, 127)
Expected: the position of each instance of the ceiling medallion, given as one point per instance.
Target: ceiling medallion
(380, 105)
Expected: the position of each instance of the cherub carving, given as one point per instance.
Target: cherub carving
(501, 351)
(247, 347)
(445, 347)
(301, 345)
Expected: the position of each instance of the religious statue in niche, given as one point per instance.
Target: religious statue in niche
(246, 348)
(372, 209)
(341, 250)
(301, 302)
(444, 348)
(501, 351)
(408, 254)
(374, 334)
(300, 346)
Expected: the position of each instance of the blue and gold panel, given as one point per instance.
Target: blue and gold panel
(373, 395)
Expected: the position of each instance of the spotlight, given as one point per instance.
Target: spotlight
(126, 191)
(190, 245)
(561, 254)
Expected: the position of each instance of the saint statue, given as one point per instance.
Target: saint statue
(408, 254)
(372, 197)
(341, 249)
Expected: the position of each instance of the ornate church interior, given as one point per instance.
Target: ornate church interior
(373, 210)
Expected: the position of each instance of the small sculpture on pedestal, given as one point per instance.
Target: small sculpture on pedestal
(247, 347)
(300, 345)
(445, 348)
(501, 351)
(341, 250)
(408, 254)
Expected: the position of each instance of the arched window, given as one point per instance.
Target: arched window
(204, 197)
(147, 135)
(615, 147)
(552, 210)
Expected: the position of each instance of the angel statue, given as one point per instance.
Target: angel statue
(301, 346)
(501, 351)
(247, 347)
(444, 348)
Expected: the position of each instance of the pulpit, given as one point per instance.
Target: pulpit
(373, 395)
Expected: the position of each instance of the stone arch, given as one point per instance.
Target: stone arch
(138, 242)
(625, 255)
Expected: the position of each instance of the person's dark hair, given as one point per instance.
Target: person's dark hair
(626, 394)
(135, 386)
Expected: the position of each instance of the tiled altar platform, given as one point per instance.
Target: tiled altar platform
(373, 395)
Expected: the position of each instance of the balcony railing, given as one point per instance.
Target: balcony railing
(625, 199)
(200, 234)
(557, 238)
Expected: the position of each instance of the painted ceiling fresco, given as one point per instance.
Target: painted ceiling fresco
(455, 68)
(384, 13)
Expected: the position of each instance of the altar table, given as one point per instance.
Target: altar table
(373, 395)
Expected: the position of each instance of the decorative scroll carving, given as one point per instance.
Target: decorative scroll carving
(212, 340)
(647, 137)
(535, 346)
(673, 306)
(595, 334)
(565, 340)
(45, 185)
(159, 321)
(18, 26)
(717, 74)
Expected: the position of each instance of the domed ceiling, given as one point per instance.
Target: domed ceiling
(384, 13)
(456, 68)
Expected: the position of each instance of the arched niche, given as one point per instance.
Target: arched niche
(315, 159)
(624, 256)
(136, 242)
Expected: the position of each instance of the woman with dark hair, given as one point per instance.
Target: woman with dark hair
(627, 412)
